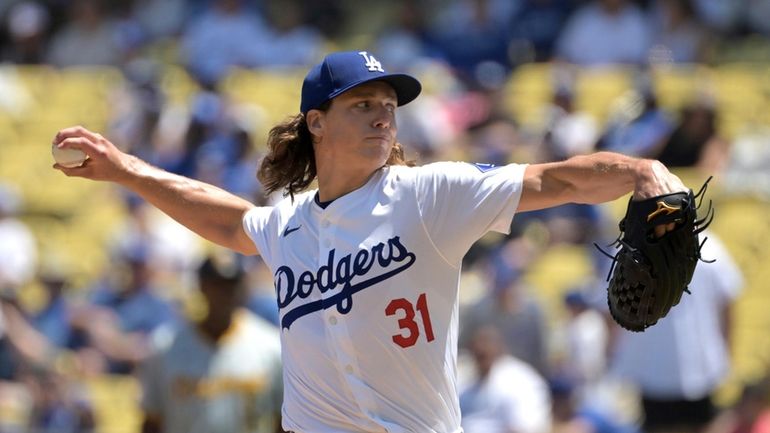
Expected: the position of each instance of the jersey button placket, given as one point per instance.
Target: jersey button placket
(332, 317)
(325, 234)
(337, 327)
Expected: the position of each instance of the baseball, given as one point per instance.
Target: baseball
(68, 157)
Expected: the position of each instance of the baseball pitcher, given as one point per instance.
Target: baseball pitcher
(367, 266)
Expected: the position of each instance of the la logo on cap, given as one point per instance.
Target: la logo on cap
(371, 63)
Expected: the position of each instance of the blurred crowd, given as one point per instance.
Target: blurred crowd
(480, 39)
(197, 327)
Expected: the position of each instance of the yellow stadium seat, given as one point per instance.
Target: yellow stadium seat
(574, 266)
(273, 94)
(676, 85)
(597, 89)
(115, 399)
(529, 89)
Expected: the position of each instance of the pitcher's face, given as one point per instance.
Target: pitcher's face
(360, 125)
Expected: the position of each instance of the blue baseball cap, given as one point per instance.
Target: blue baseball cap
(341, 71)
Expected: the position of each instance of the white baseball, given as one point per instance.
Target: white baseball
(68, 157)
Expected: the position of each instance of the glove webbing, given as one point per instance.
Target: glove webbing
(700, 225)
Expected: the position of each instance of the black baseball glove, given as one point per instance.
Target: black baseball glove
(649, 273)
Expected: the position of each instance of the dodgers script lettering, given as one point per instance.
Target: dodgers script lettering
(340, 274)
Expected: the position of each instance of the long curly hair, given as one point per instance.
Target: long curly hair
(290, 162)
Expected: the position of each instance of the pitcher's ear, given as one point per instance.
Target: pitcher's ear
(315, 122)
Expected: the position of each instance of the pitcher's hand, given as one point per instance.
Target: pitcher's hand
(105, 161)
(657, 180)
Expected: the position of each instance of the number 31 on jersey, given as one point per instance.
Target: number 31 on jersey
(407, 324)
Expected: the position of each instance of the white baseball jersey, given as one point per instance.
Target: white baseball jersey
(368, 294)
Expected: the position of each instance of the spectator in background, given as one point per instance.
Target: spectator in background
(720, 15)
(161, 19)
(605, 32)
(536, 26)
(294, 43)
(472, 36)
(224, 147)
(638, 126)
(238, 174)
(572, 416)
(504, 395)
(18, 248)
(757, 16)
(493, 139)
(226, 35)
(53, 319)
(510, 307)
(586, 340)
(696, 141)
(328, 16)
(87, 38)
(62, 337)
(27, 24)
(176, 150)
(38, 367)
(568, 131)
(746, 171)
(680, 362)
(137, 106)
(218, 145)
(124, 310)
(60, 405)
(42, 338)
(171, 251)
(221, 374)
(208, 121)
(402, 43)
(678, 36)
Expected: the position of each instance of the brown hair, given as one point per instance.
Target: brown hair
(290, 162)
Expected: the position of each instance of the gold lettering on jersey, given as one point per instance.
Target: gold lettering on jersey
(663, 207)
(210, 387)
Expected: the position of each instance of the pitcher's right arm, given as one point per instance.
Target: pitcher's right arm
(207, 210)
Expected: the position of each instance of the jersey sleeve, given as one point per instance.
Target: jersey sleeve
(255, 223)
(460, 202)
